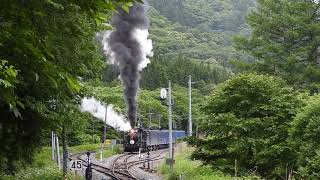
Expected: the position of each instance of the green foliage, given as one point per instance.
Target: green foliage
(84, 148)
(180, 108)
(305, 137)
(108, 151)
(42, 168)
(8, 81)
(193, 169)
(198, 29)
(285, 41)
(47, 45)
(8, 75)
(247, 119)
(157, 74)
(177, 70)
(219, 15)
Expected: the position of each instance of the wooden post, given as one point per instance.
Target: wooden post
(76, 174)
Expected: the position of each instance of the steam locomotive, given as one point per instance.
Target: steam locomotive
(146, 139)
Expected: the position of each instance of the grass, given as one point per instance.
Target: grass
(84, 148)
(43, 168)
(108, 151)
(191, 170)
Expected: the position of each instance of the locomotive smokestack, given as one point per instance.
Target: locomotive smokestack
(129, 47)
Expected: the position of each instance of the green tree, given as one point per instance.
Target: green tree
(285, 40)
(50, 44)
(247, 119)
(198, 29)
(178, 70)
(305, 138)
(180, 107)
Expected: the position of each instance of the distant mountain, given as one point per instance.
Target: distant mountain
(199, 29)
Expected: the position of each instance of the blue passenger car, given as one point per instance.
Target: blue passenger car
(160, 138)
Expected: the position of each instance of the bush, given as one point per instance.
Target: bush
(42, 168)
(305, 138)
(248, 118)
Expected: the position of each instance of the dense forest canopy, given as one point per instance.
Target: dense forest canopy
(201, 30)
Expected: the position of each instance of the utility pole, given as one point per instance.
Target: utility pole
(190, 106)
(150, 118)
(105, 125)
(170, 127)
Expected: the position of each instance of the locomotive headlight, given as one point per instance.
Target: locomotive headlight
(131, 141)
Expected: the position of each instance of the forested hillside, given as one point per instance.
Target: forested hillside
(198, 29)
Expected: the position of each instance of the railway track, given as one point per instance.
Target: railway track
(120, 166)
(113, 173)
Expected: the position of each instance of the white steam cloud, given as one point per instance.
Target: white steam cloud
(96, 109)
(141, 35)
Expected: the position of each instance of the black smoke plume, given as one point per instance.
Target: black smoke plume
(127, 51)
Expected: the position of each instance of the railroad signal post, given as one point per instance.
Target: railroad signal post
(88, 173)
(148, 158)
(166, 94)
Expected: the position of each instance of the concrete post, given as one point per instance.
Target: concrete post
(170, 125)
(190, 106)
(52, 145)
(58, 152)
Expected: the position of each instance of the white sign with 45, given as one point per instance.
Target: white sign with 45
(76, 165)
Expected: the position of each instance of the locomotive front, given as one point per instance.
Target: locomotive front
(135, 139)
(131, 141)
